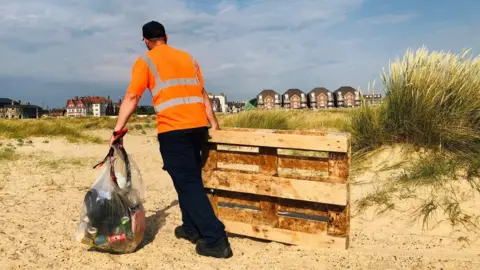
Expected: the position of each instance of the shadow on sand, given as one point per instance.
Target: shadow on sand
(154, 223)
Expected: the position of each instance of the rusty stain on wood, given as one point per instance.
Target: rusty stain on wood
(303, 163)
(268, 160)
(308, 208)
(238, 158)
(209, 157)
(338, 168)
(337, 221)
(269, 210)
(301, 225)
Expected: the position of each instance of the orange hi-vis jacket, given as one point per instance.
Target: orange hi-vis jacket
(175, 81)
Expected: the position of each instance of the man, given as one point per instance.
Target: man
(183, 110)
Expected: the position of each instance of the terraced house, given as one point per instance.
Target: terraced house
(294, 98)
(321, 98)
(347, 97)
(269, 99)
(317, 98)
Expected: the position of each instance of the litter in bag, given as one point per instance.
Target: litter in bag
(113, 216)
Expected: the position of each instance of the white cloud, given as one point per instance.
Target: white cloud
(242, 46)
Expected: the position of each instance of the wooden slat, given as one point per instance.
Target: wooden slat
(237, 167)
(326, 142)
(331, 193)
(238, 158)
(338, 167)
(269, 210)
(303, 163)
(306, 175)
(320, 240)
(263, 218)
(338, 221)
(301, 225)
(237, 148)
(209, 157)
(308, 208)
(302, 153)
(268, 161)
(238, 198)
(243, 215)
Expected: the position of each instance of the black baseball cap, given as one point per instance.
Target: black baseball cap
(153, 29)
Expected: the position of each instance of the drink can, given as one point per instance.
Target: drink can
(117, 238)
(87, 241)
(92, 231)
(100, 240)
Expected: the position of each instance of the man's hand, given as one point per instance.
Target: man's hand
(117, 136)
(215, 126)
(113, 139)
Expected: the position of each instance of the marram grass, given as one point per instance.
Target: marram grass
(432, 100)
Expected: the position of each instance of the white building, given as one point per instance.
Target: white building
(223, 101)
(99, 109)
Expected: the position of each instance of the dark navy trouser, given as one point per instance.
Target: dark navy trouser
(181, 154)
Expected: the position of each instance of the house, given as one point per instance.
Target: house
(112, 108)
(86, 106)
(235, 107)
(216, 103)
(19, 110)
(99, 108)
(346, 97)
(320, 98)
(23, 111)
(57, 112)
(77, 107)
(219, 102)
(5, 102)
(372, 99)
(294, 98)
(269, 99)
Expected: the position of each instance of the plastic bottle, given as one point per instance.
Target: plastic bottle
(127, 227)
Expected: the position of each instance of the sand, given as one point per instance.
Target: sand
(41, 195)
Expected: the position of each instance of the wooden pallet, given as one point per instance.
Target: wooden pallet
(285, 186)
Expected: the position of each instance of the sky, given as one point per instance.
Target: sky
(52, 50)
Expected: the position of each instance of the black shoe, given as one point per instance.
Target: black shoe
(180, 233)
(221, 250)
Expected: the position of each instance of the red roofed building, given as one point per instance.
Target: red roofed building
(76, 108)
(86, 106)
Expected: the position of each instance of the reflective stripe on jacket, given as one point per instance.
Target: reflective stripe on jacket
(177, 91)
